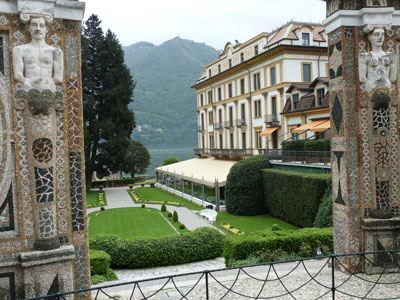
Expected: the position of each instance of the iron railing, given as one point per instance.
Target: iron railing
(271, 118)
(308, 279)
(229, 124)
(298, 156)
(240, 123)
(219, 125)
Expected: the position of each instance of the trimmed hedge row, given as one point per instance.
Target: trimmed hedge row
(307, 145)
(201, 244)
(244, 194)
(114, 182)
(99, 262)
(294, 196)
(301, 242)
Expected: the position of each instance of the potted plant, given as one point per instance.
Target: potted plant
(130, 186)
(101, 188)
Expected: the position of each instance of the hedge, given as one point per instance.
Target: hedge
(244, 194)
(301, 242)
(114, 182)
(307, 145)
(324, 215)
(200, 244)
(99, 262)
(294, 196)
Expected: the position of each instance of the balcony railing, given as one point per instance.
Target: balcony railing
(201, 151)
(219, 125)
(200, 128)
(324, 277)
(271, 119)
(241, 123)
(305, 157)
(231, 152)
(229, 124)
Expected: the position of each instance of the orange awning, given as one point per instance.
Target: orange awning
(292, 126)
(305, 127)
(322, 127)
(268, 131)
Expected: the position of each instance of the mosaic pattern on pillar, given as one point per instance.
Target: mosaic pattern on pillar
(78, 218)
(339, 197)
(25, 180)
(353, 169)
(46, 223)
(7, 212)
(337, 114)
(349, 56)
(71, 56)
(80, 268)
(394, 174)
(335, 60)
(7, 286)
(382, 194)
(42, 150)
(61, 176)
(366, 158)
(44, 185)
(74, 113)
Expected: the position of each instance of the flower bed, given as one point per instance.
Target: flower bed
(232, 229)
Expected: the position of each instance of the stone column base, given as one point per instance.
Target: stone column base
(48, 272)
(379, 235)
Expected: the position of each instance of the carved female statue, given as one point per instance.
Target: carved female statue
(377, 68)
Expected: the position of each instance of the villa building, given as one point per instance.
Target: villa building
(242, 96)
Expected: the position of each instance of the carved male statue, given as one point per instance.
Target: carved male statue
(377, 68)
(36, 64)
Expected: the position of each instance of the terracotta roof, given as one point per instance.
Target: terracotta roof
(280, 35)
(317, 34)
(324, 80)
(301, 86)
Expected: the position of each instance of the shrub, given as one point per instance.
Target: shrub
(99, 262)
(175, 216)
(114, 182)
(324, 214)
(200, 244)
(288, 241)
(276, 227)
(102, 208)
(143, 205)
(243, 192)
(169, 215)
(297, 145)
(182, 226)
(163, 208)
(294, 196)
(110, 275)
(317, 145)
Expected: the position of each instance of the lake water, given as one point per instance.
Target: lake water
(158, 154)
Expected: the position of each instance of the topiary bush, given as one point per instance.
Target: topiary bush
(143, 205)
(200, 244)
(244, 194)
(324, 214)
(182, 226)
(99, 262)
(102, 208)
(301, 242)
(175, 216)
(169, 215)
(163, 208)
(294, 196)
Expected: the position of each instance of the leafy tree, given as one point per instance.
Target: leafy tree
(170, 160)
(137, 158)
(107, 92)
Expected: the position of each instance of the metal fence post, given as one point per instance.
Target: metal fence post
(333, 278)
(207, 295)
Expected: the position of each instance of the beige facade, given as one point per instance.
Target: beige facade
(240, 96)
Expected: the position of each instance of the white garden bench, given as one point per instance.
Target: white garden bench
(209, 214)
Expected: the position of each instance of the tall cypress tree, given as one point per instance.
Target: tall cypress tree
(107, 91)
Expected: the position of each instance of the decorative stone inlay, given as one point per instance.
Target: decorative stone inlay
(366, 159)
(353, 170)
(7, 212)
(337, 114)
(71, 56)
(7, 280)
(46, 223)
(74, 113)
(381, 117)
(41, 125)
(381, 154)
(339, 197)
(44, 185)
(80, 268)
(349, 57)
(78, 222)
(382, 194)
(394, 144)
(42, 150)
(8, 246)
(61, 177)
(25, 180)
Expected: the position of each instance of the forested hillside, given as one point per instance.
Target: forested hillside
(165, 105)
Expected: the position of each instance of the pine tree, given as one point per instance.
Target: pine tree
(107, 91)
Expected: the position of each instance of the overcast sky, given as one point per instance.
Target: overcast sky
(214, 22)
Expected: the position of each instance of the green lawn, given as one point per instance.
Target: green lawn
(157, 195)
(249, 224)
(129, 222)
(92, 199)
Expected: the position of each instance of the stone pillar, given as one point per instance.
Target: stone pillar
(43, 233)
(364, 42)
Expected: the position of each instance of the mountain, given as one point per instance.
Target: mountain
(165, 105)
